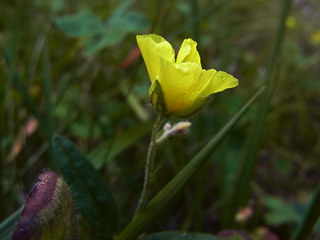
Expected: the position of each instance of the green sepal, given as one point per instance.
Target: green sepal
(157, 97)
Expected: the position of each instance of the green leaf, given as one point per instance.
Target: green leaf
(92, 196)
(8, 225)
(280, 212)
(130, 22)
(82, 24)
(181, 236)
(166, 194)
(117, 27)
(100, 34)
(111, 36)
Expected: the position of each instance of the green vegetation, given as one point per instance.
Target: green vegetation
(250, 161)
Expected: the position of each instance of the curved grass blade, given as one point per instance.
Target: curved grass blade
(244, 177)
(8, 225)
(91, 195)
(166, 194)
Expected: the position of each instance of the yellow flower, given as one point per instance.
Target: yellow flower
(179, 86)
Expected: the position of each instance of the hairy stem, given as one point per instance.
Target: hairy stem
(149, 164)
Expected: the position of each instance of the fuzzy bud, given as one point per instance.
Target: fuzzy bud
(48, 212)
(181, 128)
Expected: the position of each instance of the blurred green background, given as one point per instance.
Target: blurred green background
(73, 68)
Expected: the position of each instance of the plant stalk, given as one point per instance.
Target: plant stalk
(168, 192)
(149, 164)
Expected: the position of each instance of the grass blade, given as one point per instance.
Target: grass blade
(243, 179)
(310, 219)
(47, 85)
(8, 225)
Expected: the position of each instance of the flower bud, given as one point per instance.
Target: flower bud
(180, 128)
(48, 212)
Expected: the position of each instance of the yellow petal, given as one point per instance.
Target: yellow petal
(204, 80)
(197, 98)
(188, 52)
(218, 82)
(198, 103)
(153, 48)
(176, 81)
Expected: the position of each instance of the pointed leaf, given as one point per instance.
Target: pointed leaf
(92, 197)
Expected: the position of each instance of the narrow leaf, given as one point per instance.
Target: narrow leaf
(8, 225)
(165, 195)
(245, 174)
(92, 197)
(310, 218)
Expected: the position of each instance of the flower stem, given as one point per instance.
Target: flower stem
(149, 164)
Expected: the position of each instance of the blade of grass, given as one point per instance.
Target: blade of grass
(214, 6)
(165, 195)
(41, 39)
(194, 14)
(49, 123)
(14, 77)
(8, 225)
(244, 177)
(4, 135)
(196, 206)
(310, 219)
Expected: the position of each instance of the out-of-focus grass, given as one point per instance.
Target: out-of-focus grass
(49, 77)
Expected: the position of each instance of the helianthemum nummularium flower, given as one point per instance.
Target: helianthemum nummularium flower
(179, 85)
